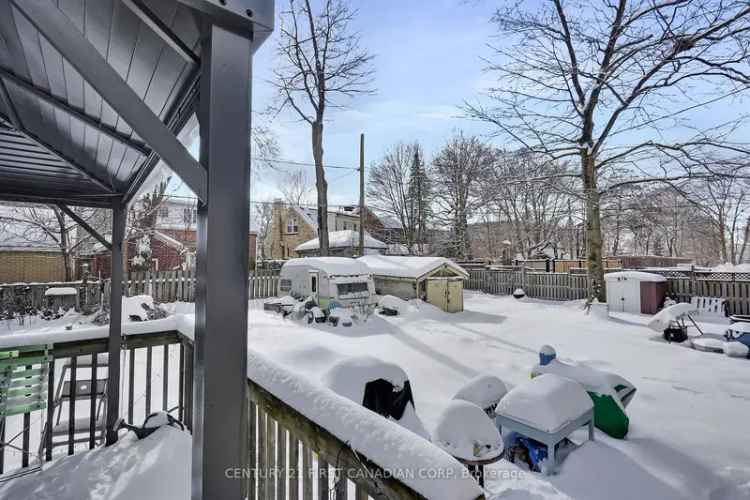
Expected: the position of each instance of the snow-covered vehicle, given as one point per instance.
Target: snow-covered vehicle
(378, 386)
(331, 282)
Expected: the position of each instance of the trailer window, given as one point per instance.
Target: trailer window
(347, 288)
(285, 285)
(314, 284)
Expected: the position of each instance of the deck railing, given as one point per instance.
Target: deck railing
(157, 374)
(289, 455)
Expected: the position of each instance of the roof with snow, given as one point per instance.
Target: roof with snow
(408, 267)
(341, 239)
(635, 275)
(332, 266)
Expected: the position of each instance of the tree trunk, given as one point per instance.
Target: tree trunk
(322, 186)
(64, 242)
(596, 287)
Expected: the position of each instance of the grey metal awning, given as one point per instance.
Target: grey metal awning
(62, 138)
(92, 96)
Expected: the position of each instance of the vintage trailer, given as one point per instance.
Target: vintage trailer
(331, 281)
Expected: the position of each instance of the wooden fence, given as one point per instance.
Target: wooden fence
(549, 286)
(682, 285)
(164, 286)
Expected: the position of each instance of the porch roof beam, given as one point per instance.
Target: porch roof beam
(85, 225)
(160, 28)
(60, 104)
(57, 28)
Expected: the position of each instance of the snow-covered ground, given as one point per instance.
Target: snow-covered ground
(688, 433)
(688, 421)
(153, 468)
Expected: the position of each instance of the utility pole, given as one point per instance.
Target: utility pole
(361, 194)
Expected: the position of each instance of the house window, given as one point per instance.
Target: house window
(189, 215)
(164, 212)
(292, 226)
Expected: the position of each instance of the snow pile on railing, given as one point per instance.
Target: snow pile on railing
(419, 464)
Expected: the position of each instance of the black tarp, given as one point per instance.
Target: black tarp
(381, 398)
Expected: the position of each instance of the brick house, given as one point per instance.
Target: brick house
(173, 241)
(293, 225)
(27, 254)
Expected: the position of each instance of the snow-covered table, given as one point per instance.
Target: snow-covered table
(547, 409)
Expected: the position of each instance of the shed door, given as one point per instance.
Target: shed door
(455, 295)
(615, 295)
(632, 296)
(437, 292)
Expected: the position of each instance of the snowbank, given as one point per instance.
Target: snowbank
(382, 441)
(483, 390)
(349, 377)
(154, 468)
(547, 402)
(133, 306)
(635, 275)
(408, 267)
(395, 303)
(465, 431)
(60, 291)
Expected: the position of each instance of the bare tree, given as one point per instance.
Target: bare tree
(535, 210)
(295, 187)
(48, 225)
(724, 202)
(457, 171)
(321, 60)
(264, 221)
(397, 187)
(601, 81)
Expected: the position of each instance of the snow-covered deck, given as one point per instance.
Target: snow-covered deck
(154, 468)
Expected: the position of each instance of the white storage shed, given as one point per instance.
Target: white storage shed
(635, 292)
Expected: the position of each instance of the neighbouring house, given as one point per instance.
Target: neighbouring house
(293, 225)
(172, 242)
(436, 280)
(27, 253)
(342, 244)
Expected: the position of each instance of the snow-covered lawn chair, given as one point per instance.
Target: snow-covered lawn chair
(23, 389)
(710, 309)
(83, 389)
(547, 409)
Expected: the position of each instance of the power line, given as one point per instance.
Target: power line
(300, 163)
